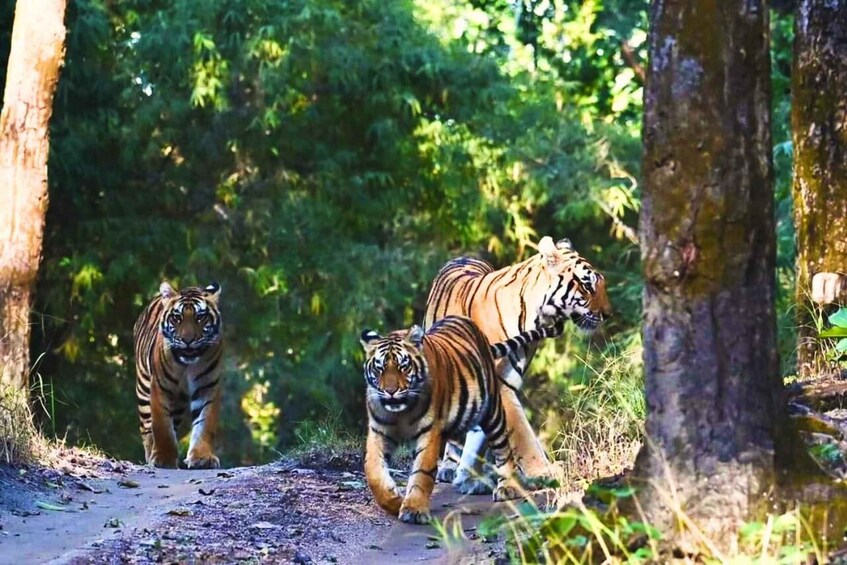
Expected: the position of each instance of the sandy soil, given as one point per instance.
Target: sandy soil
(114, 512)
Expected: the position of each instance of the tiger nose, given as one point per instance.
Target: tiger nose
(391, 391)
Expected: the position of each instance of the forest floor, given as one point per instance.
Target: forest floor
(93, 510)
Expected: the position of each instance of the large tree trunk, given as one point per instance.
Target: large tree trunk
(819, 124)
(708, 245)
(37, 53)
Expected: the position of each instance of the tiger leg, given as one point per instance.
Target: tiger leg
(471, 476)
(204, 423)
(147, 441)
(383, 487)
(145, 423)
(162, 450)
(415, 507)
(449, 462)
(497, 428)
(529, 453)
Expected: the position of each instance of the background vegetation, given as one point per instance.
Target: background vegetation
(321, 159)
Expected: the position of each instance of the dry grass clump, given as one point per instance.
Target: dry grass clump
(20, 442)
(601, 430)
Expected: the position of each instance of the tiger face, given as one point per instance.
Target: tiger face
(578, 290)
(191, 321)
(395, 369)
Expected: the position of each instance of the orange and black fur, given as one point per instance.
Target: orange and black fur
(556, 284)
(178, 347)
(431, 386)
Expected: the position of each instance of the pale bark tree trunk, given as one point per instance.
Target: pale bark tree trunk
(37, 53)
(819, 124)
(708, 246)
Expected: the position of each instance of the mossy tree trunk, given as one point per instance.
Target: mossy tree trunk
(819, 124)
(36, 55)
(708, 247)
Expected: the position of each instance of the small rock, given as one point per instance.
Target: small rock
(179, 512)
(302, 558)
(265, 526)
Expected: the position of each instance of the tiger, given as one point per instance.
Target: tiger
(430, 386)
(178, 349)
(554, 284)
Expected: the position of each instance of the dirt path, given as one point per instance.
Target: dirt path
(276, 513)
(73, 518)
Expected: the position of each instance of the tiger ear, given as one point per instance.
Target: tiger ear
(549, 253)
(415, 336)
(564, 244)
(212, 291)
(367, 339)
(167, 291)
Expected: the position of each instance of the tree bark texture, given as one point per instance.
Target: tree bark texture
(37, 54)
(708, 247)
(819, 124)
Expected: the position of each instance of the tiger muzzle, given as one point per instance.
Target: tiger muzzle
(189, 355)
(396, 403)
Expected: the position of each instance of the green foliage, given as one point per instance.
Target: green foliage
(829, 455)
(320, 159)
(261, 415)
(579, 533)
(595, 530)
(781, 538)
(838, 329)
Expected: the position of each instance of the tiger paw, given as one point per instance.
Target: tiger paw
(506, 491)
(202, 461)
(474, 485)
(410, 516)
(461, 475)
(163, 461)
(446, 473)
(552, 477)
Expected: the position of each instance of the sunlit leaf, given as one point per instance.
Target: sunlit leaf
(835, 331)
(839, 318)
